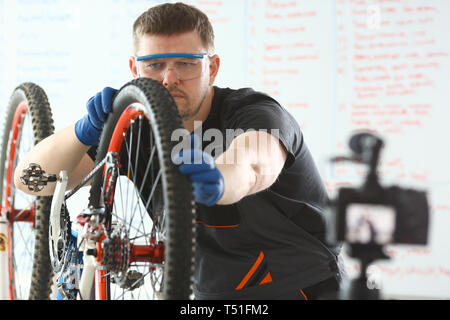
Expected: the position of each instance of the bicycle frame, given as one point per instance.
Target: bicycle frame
(122, 247)
(90, 225)
(85, 238)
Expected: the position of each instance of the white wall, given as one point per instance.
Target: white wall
(338, 66)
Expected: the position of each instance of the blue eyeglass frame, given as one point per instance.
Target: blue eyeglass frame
(172, 55)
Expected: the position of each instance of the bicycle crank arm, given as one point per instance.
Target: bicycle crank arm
(55, 231)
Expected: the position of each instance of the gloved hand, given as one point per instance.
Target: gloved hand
(89, 128)
(206, 179)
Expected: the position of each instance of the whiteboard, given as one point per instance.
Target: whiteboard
(337, 66)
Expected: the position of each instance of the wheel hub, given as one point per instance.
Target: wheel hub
(118, 254)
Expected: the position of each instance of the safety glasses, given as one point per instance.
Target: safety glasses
(186, 66)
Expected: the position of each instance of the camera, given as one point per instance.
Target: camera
(373, 214)
(389, 216)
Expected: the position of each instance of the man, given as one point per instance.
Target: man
(261, 228)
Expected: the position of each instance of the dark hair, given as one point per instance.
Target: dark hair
(173, 18)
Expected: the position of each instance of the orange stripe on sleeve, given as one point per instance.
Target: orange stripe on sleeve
(304, 295)
(251, 272)
(209, 226)
(267, 279)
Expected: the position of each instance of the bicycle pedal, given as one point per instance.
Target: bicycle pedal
(35, 178)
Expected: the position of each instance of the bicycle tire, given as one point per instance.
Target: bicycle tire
(179, 203)
(31, 101)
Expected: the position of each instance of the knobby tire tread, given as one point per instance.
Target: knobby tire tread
(42, 126)
(179, 200)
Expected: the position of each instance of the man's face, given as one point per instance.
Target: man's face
(189, 95)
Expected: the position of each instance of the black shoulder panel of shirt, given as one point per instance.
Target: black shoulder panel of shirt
(248, 109)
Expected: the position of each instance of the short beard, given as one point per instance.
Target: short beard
(190, 114)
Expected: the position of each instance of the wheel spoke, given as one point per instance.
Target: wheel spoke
(134, 251)
(28, 260)
(133, 214)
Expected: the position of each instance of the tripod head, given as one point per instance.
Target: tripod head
(366, 149)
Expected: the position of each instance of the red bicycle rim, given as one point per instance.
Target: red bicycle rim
(13, 214)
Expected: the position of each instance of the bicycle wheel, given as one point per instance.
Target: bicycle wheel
(149, 206)
(24, 218)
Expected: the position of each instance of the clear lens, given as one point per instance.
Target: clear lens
(184, 68)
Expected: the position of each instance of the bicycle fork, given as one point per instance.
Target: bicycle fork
(92, 236)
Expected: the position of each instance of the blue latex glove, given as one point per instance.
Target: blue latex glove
(89, 128)
(206, 179)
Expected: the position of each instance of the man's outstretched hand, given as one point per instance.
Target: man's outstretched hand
(201, 169)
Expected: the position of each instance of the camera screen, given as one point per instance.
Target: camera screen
(370, 223)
